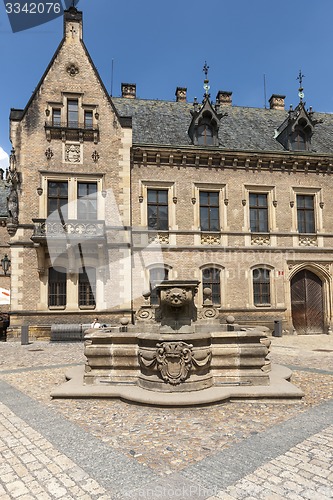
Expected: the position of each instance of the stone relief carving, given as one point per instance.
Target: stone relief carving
(72, 70)
(174, 360)
(162, 238)
(210, 239)
(308, 241)
(73, 153)
(260, 240)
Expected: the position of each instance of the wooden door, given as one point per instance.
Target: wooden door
(307, 303)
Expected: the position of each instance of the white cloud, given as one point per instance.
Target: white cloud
(4, 159)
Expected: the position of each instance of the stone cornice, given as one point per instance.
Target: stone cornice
(150, 155)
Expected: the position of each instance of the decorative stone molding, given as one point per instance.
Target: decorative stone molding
(210, 239)
(161, 238)
(260, 240)
(308, 241)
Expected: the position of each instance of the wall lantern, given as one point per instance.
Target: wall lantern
(39, 191)
(5, 264)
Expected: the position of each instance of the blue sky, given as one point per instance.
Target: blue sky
(161, 45)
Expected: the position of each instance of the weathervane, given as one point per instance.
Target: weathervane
(206, 81)
(300, 90)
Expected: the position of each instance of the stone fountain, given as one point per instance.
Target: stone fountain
(178, 354)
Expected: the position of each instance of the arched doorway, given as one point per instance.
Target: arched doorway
(307, 305)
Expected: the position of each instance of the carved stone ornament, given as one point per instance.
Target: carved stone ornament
(72, 153)
(144, 313)
(260, 240)
(95, 156)
(49, 153)
(176, 297)
(72, 70)
(174, 360)
(208, 313)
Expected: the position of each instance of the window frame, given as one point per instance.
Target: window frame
(59, 295)
(258, 209)
(164, 276)
(90, 215)
(213, 284)
(87, 287)
(209, 208)
(303, 214)
(157, 204)
(264, 283)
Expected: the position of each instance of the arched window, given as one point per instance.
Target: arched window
(57, 287)
(156, 275)
(261, 286)
(211, 278)
(87, 287)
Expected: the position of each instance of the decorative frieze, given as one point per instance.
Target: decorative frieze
(160, 238)
(308, 241)
(210, 239)
(260, 239)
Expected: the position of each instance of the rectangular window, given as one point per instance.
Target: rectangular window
(209, 211)
(73, 113)
(261, 287)
(157, 201)
(57, 198)
(57, 287)
(258, 212)
(56, 117)
(87, 287)
(87, 200)
(88, 120)
(305, 213)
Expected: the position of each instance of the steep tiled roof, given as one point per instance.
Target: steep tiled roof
(166, 123)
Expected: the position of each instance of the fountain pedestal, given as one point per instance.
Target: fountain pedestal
(178, 355)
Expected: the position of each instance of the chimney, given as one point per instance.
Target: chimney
(223, 97)
(277, 102)
(128, 90)
(181, 94)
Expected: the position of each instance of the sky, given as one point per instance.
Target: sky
(160, 45)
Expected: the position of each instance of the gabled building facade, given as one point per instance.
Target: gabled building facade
(116, 194)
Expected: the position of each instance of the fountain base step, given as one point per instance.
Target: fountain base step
(280, 389)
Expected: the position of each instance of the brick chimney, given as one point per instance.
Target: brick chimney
(181, 94)
(277, 102)
(224, 97)
(128, 90)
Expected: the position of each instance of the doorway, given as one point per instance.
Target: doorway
(307, 305)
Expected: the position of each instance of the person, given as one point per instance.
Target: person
(95, 324)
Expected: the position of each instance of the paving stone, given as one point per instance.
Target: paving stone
(127, 447)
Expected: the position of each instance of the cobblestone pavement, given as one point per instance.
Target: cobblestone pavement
(108, 449)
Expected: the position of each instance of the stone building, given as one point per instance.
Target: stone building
(115, 194)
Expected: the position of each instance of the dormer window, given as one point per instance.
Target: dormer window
(205, 124)
(298, 140)
(296, 131)
(205, 135)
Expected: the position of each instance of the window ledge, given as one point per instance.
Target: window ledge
(57, 308)
(85, 308)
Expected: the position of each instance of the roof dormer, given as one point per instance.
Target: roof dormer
(205, 123)
(296, 131)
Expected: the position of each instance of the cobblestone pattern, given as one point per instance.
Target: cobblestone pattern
(304, 472)
(128, 451)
